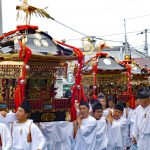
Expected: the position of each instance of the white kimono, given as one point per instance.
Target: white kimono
(126, 114)
(105, 112)
(2, 119)
(48, 130)
(132, 117)
(101, 134)
(19, 135)
(10, 117)
(116, 134)
(5, 137)
(86, 135)
(141, 128)
(59, 135)
(64, 135)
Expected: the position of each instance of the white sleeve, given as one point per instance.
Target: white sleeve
(114, 124)
(101, 134)
(135, 128)
(122, 124)
(2, 119)
(115, 134)
(86, 130)
(10, 117)
(38, 140)
(8, 139)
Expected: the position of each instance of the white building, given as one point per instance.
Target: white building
(118, 52)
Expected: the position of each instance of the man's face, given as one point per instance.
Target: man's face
(137, 103)
(144, 102)
(21, 114)
(117, 114)
(103, 102)
(76, 104)
(98, 114)
(111, 104)
(84, 111)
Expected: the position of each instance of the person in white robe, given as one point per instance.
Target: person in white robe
(86, 131)
(59, 135)
(131, 119)
(101, 133)
(64, 135)
(116, 129)
(126, 114)
(102, 100)
(25, 134)
(7, 118)
(132, 115)
(5, 138)
(48, 130)
(141, 127)
(111, 103)
(20, 133)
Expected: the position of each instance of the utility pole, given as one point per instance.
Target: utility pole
(1, 19)
(125, 37)
(146, 43)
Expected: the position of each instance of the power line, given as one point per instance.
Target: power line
(115, 34)
(108, 40)
(114, 39)
(138, 46)
(95, 37)
(137, 17)
(73, 39)
(68, 27)
(102, 35)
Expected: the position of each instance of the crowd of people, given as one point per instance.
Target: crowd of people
(97, 127)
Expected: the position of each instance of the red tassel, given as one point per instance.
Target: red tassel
(94, 97)
(73, 109)
(73, 113)
(17, 98)
(132, 101)
(29, 137)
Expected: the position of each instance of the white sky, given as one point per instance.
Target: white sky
(92, 17)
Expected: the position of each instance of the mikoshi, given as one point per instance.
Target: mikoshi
(103, 74)
(30, 63)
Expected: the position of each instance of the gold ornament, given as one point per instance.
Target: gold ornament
(48, 117)
(88, 49)
(127, 57)
(29, 10)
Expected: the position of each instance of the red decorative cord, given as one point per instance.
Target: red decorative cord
(19, 92)
(78, 89)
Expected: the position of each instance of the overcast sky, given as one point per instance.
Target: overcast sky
(91, 17)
